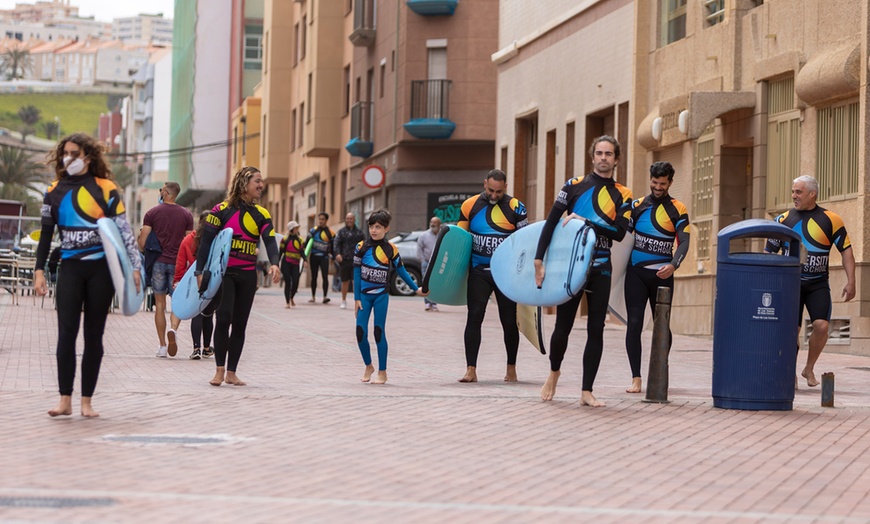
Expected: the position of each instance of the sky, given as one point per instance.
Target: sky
(106, 10)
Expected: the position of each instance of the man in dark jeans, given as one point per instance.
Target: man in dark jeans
(343, 247)
(321, 252)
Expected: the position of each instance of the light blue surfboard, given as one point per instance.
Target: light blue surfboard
(121, 268)
(187, 301)
(446, 278)
(566, 262)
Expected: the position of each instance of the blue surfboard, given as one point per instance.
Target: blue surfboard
(446, 278)
(567, 263)
(187, 301)
(121, 268)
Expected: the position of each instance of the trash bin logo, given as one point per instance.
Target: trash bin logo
(766, 299)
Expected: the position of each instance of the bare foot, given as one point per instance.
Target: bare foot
(588, 399)
(87, 409)
(288, 306)
(381, 378)
(549, 389)
(233, 379)
(810, 376)
(511, 374)
(218, 377)
(635, 385)
(367, 374)
(64, 407)
(292, 302)
(470, 375)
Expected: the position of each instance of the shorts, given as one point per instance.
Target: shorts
(346, 269)
(816, 296)
(161, 278)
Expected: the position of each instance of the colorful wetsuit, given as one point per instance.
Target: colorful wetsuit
(658, 224)
(74, 204)
(605, 205)
(372, 261)
(248, 222)
(291, 259)
(489, 224)
(819, 230)
(318, 259)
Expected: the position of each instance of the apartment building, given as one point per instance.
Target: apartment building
(402, 89)
(742, 97)
(143, 29)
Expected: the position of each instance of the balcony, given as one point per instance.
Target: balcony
(430, 100)
(363, 34)
(360, 143)
(433, 7)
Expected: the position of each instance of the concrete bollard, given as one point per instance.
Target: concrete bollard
(827, 390)
(657, 381)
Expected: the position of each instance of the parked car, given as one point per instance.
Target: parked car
(407, 244)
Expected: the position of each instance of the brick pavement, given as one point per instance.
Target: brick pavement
(306, 442)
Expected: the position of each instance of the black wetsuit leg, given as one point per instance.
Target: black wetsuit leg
(479, 289)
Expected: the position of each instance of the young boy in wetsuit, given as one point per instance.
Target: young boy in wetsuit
(372, 260)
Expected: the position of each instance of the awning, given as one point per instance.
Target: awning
(829, 75)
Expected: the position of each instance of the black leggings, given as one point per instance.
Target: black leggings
(201, 326)
(291, 280)
(237, 295)
(480, 287)
(320, 263)
(597, 292)
(641, 286)
(82, 284)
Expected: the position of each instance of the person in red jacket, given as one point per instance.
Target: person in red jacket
(201, 326)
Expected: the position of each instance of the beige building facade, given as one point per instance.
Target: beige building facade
(743, 96)
(348, 85)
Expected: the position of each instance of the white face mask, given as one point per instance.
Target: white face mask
(73, 167)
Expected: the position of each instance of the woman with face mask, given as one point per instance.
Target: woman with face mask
(82, 193)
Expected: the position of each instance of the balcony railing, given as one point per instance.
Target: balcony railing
(430, 101)
(360, 144)
(363, 34)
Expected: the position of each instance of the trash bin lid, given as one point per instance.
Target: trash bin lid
(757, 228)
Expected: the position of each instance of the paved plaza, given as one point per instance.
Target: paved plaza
(305, 441)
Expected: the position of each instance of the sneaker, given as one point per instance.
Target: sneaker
(343, 305)
(428, 307)
(207, 352)
(161, 352)
(325, 300)
(172, 347)
(434, 307)
(196, 355)
(311, 300)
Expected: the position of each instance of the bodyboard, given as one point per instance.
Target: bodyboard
(446, 278)
(530, 325)
(121, 268)
(567, 263)
(187, 301)
(308, 247)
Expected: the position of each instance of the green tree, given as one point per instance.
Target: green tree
(29, 116)
(17, 170)
(124, 175)
(15, 62)
(51, 129)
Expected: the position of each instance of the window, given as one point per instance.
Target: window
(714, 12)
(310, 87)
(783, 143)
(303, 31)
(266, 53)
(263, 138)
(837, 151)
(673, 21)
(235, 144)
(383, 78)
(293, 130)
(253, 47)
(569, 151)
(346, 95)
(702, 192)
(296, 43)
(301, 124)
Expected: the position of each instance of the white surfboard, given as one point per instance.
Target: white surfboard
(121, 268)
(620, 257)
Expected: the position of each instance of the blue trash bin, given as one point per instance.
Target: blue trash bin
(755, 325)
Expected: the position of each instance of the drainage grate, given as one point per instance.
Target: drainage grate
(166, 439)
(53, 502)
(860, 368)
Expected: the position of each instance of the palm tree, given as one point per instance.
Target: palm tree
(15, 63)
(51, 129)
(17, 170)
(29, 116)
